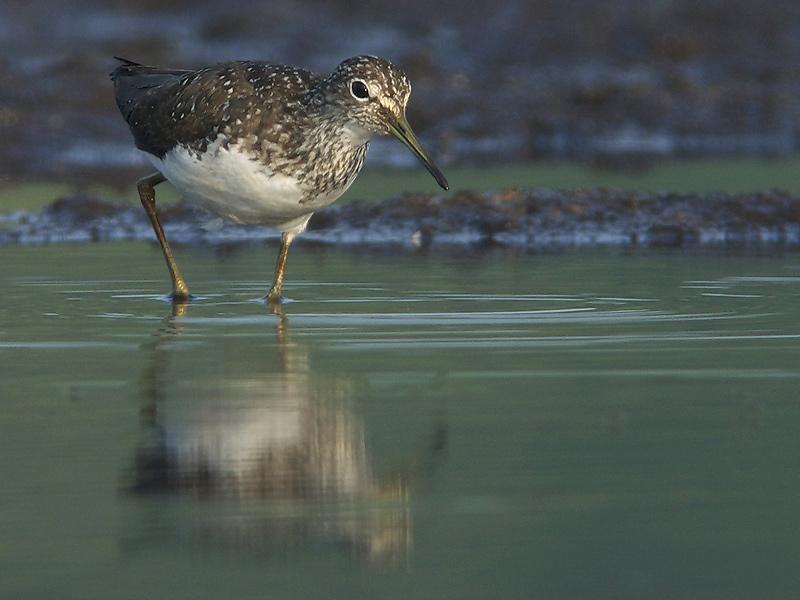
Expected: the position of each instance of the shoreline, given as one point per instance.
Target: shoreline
(539, 218)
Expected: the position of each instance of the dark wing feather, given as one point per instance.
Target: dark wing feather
(243, 99)
(132, 80)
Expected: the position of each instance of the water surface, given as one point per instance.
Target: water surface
(488, 424)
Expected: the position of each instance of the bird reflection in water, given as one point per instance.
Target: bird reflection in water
(275, 459)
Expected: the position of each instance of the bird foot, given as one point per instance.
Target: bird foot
(180, 297)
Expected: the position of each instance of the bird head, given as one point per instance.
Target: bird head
(371, 95)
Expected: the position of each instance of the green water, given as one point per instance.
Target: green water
(464, 425)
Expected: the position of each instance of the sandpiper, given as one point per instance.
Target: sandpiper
(261, 143)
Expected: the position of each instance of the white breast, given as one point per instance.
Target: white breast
(230, 183)
(250, 430)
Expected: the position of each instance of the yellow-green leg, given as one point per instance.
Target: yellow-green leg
(147, 194)
(274, 294)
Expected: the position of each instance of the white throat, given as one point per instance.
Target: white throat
(356, 135)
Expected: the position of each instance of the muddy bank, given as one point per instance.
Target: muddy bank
(533, 219)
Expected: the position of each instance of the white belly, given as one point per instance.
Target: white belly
(232, 185)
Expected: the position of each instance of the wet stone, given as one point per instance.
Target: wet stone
(533, 218)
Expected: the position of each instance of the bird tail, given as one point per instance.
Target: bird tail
(127, 63)
(132, 79)
(129, 67)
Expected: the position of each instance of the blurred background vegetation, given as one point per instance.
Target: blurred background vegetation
(650, 94)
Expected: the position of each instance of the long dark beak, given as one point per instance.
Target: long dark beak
(402, 131)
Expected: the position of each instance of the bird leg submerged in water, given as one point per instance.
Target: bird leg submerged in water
(274, 294)
(147, 194)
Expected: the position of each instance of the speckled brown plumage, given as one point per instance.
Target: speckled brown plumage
(242, 99)
(284, 116)
(261, 143)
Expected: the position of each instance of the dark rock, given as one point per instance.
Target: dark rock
(532, 218)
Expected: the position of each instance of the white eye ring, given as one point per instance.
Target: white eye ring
(359, 87)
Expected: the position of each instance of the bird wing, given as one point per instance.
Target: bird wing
(132, 80)
(169, 107)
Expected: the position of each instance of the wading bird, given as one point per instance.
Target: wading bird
(260, 143)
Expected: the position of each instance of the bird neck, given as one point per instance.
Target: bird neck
(334, 152)
(325, 111)
(331, 134)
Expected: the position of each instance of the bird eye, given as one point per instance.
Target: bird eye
(359, 89)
